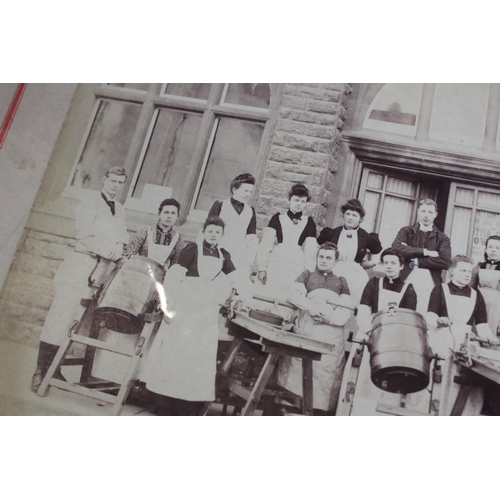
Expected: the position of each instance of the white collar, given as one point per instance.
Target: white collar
(425, 229)
(108, 198)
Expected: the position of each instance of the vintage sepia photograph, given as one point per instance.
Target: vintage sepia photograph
(251, 249)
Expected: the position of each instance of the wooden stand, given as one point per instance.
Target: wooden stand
(274, 343)
(98, 389)
(350, 384)
(482, 366)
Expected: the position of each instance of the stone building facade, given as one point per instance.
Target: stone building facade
(387, 144)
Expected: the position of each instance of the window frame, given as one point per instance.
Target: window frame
(452, 204)
(383, 192)
(152, 101)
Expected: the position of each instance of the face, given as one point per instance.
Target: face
(168, 216)
(352, 219)
(326, 260)
(298, 203)
(426, 214)
(392, 266)
(493, 249)
(243, 193)
(213, 234)
(461, 274)
(112, 184)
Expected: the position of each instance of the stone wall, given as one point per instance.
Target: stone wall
(304, 147)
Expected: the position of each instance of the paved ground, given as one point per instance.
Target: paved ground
(17, 363)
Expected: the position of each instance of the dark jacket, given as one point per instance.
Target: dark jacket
(437, 241)
(366, 241)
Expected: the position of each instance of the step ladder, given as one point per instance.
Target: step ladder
(100, 389)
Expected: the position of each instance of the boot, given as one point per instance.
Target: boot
(46, 354)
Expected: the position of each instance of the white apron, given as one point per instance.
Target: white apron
(368, 395)
(235, 233)
(112, 366)
(489, 283)
(356, 278)
(71, 280)
(286, 261)
(422, 282)
(460, 310)
(327, 372)
(182, 361)
(160, 253)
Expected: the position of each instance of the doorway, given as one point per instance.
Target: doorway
(390, 199)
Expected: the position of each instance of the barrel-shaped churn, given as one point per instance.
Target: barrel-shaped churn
(134, 289)
(400, 356)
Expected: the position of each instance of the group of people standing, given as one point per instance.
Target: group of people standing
(324, 276)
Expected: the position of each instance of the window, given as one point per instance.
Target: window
(185, 140)
(390, 202)
(475, 217)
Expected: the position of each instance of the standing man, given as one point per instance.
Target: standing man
(162, 244)
(240, 238)
(426, 250)
(101, 235)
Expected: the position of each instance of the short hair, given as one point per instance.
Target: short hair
(242, 179)
(328, 245)
(460, 258)
(120, 171)
(392, 251)
(213, 220)
(299, 190)
(427, 201)
(355, 206)
(169, 202)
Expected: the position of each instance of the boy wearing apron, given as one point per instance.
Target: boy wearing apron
(101, 234)
(454, 308)
(380, 294)
(426, 250)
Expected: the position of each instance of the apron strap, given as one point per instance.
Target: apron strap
(381, 288)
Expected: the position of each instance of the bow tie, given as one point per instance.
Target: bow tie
(237, 205)
(492, 262)
(110, 203)
(294, 217)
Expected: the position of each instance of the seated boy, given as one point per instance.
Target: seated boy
(381, 293)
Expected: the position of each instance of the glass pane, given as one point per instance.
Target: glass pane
(460, 230)
(257, 95)
(398, 186)
(464, 196)
(168, 158)
(459, 113)
(488, 200)
(370, 204)
(396, 213)
(395, 109)
(375, 181)
(132, 86)
(107, 144)
(234, 152)
(194, 90)
(485, 225)
(427, 191)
